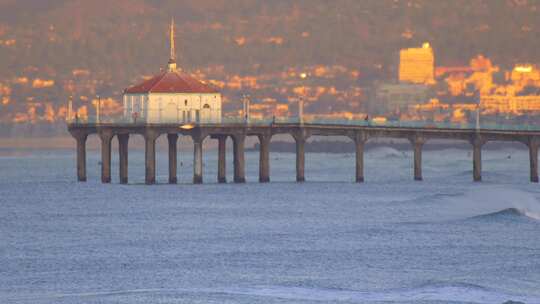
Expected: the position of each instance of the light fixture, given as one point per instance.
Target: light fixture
(187, 126)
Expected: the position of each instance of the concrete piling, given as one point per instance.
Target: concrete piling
(418, 161)
(300, 158)
(359, 139)
(173, 157)
(106, 139)
(123, 140)
(477, 159)
(239, 158)
(417, 143)
(533, 157)
(264, 158)
(197, 160)
(222, 159)
(150, 157)
(81, 156)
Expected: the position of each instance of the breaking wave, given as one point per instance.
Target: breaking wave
(509, 213)
(386, 152)
(495, 203)
(456, 293)
(435, 292)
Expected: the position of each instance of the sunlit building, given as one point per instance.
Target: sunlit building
(172, 97)
(525, 75)
(510, 104)
(399, 96)
(417, 65)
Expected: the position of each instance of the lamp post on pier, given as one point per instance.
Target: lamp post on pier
(303, 77)
(98, 109)
(245, 107)
(69, 109)
(301, 110)
(478, 117)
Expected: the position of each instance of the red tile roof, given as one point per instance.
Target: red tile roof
(171, 82)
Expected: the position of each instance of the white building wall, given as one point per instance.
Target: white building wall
(134, 107)
(173, 108)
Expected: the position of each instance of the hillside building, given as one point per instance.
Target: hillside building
(396, 97)
(417, 65)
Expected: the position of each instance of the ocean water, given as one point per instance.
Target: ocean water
(329, 240)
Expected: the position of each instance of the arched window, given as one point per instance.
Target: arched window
(185, 102)
(206, 106)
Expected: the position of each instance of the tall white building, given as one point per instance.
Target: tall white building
(417, 65)
(172, 97)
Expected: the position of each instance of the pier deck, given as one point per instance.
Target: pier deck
(359, 133)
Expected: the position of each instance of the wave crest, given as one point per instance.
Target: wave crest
(509, 213)
(437, 292)
(445, 292)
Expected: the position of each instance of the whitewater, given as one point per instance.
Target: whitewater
(329, 240)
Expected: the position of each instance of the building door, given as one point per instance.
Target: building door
(206, 113)
(170, 113)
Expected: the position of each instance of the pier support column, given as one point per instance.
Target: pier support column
(106, 139)
(533, 157)
(359, 139)
(477, 158)
(197, 159)
(264, 158)
(300, 158)
(81, 156)
(123, 140)
(150, 137)
(222, 159)
(417, 143)
(173, 158)
(239, 158)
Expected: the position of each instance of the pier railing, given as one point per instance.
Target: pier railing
(485, 125)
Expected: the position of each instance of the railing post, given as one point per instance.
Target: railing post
(150, 137)
(173, 158)
(106, 138)
(264, 158)
(239, 158)
(123, 140)
(222, 159)
(533, 158)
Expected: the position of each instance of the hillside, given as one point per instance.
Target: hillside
(114, 43)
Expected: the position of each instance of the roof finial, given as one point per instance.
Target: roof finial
(172, 58)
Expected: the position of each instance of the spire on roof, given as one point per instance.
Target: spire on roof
(172, 58)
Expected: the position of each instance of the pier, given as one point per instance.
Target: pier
(359, 133)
